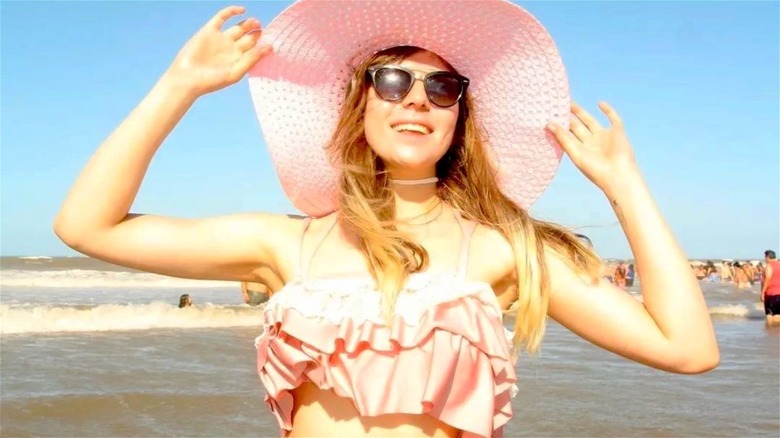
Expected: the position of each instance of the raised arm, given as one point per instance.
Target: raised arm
(95, 218)
(671, 329)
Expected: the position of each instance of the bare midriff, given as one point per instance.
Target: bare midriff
(324, 414)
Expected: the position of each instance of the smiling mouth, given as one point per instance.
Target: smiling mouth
(411, 127)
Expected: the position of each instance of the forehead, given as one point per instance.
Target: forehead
(424, 61)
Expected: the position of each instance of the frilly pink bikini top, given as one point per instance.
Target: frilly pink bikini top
(446, 354)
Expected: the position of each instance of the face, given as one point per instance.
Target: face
(410, 135)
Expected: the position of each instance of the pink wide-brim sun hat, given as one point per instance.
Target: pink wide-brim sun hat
(517, 82)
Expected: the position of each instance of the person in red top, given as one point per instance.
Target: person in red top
(770, 288)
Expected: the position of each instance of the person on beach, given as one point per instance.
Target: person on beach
(185, 301)
(770, 288)
(740, 277)
(699, 272)
(254, 294)
(414, 137)
(620, 275)
(726, 272)
(630, 275)
(714, 273)
(750, 272)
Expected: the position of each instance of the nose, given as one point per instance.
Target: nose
(417, 98)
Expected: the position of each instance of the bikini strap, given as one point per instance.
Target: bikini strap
(467, 230)
(304, 267)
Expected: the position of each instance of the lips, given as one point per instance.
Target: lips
(409, 126)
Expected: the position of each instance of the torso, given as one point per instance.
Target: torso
(774, 281)
(322, 412)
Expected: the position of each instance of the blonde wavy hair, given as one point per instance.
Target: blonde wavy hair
(468, 184)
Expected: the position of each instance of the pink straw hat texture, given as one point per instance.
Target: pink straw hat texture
(517, 82)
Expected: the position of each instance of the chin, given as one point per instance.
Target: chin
(415, 156)
(412, 163)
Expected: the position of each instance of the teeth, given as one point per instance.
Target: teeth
(412, 127)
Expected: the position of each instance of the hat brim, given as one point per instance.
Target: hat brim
(517, 83)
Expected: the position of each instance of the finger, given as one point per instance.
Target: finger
(566, 139)
(242, 28)
(579, 129)
(589, 121)
(611, 114)
(248, 41)
(224, 15)
(248, 60)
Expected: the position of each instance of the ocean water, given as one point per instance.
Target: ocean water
(89, 349)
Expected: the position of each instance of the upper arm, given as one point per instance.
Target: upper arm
(237, 247)
(608, 317)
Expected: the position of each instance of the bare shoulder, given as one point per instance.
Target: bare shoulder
(492, 260)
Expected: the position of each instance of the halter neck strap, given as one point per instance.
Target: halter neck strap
(304, 263)
(467, 230)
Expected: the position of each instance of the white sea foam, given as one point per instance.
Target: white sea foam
(732, 310)
(113, 317)
(82, 278)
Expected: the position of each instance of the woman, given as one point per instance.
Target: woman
(415, 141)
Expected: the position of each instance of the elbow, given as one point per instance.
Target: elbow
(67, 233)
(699, 363)
(61, 230)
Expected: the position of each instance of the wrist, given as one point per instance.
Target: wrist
(173, 87)
(626, 184)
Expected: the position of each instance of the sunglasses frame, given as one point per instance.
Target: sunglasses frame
(462, 81)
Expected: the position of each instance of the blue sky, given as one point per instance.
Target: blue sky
(695, 82)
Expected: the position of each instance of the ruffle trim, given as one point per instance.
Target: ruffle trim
(336, 299)
(453, 364)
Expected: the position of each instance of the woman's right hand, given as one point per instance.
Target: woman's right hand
(213, 59)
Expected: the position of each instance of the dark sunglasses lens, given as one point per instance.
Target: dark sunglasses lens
(443, 89)
(391, 83)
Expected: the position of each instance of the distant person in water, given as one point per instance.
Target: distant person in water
(185, 301)
(770, 288)
(254, 293)
(740, 276)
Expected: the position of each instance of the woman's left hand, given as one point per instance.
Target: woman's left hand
(604, 155)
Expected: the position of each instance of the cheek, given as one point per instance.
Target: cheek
(449, 121)
(373, 121)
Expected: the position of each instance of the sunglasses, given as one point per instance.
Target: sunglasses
(393, 82)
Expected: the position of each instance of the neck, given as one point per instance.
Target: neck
(415, 200)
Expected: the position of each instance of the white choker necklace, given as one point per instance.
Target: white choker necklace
(413, 182)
